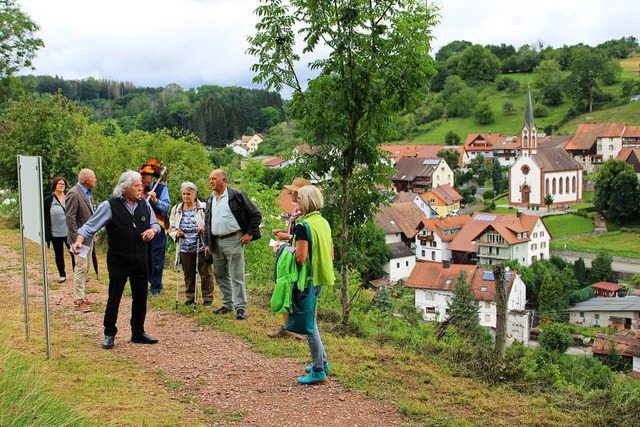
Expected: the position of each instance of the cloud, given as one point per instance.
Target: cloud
(197, 42)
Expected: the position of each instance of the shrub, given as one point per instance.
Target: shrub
(9, 210)
(555, 338)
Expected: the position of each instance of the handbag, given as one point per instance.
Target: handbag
(302, 320)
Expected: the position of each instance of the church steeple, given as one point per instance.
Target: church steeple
(529, 144)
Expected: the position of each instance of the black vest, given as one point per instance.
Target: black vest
(124, 232)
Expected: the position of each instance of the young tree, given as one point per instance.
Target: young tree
(602, 269)
(463, 309)
(551, 298)
(452, 138)
(580, 271)
(548, 200)
(372, 62)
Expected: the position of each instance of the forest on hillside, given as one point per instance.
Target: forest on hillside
(216, 115)
(466, 76)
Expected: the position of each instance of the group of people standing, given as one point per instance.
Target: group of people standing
(211, 234)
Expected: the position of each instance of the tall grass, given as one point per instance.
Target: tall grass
(25, 396)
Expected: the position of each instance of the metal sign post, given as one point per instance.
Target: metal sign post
(32, 227)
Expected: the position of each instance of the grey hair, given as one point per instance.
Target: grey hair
(83, 175)
(188, 185)
(310, 199)
(126, 180)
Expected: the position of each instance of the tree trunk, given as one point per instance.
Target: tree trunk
(501, 310)
(344, 270)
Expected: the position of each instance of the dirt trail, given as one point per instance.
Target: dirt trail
(215, 369)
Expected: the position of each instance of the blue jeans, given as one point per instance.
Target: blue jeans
(156, 262)
(318, 355)
(228, 268)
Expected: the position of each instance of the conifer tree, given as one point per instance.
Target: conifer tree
(463, 309)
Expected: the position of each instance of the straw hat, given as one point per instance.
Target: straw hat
(297, 184)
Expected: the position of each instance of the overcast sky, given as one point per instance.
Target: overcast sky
(198, 42)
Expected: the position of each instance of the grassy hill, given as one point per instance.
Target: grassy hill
(510, 124)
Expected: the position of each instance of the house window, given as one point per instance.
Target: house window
(433, 255)
(543, 245)
(487, 318)
(407, 264)
(582, 314)
(542, 234)
(483, 289)
(573, 184)
(487, 304)
(553, 186)
(424, 253)
(533, 259)
(535, 235)
(397, 265)
(566, 185)
(611, 147)
(430, 310)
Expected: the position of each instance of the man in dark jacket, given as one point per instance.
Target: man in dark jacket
(131, 225)
(231, 221)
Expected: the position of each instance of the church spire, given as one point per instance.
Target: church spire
(529, 142)
(528, 112)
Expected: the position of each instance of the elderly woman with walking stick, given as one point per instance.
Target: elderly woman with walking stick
(187, 225)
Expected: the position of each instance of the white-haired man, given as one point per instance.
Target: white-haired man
(130, 224)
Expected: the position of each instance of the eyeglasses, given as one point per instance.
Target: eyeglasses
(298, 198)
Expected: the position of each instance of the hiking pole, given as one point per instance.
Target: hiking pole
(177, 285)
(195, 278)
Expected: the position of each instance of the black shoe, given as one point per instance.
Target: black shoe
(222, 310)
(189, 302)
(241, 314)
(144, 339)
(207, 304)
(107, 344)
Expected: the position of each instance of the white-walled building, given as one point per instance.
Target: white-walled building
(434, 285)
(434, 236)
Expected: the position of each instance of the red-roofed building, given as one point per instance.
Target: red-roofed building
(400, 222)
(444, 199)
(435, 235)
(416, 174)
(606, 289)
(595, 143)
(397, 152)
(491, 238)
(479, 143)
(434, 284)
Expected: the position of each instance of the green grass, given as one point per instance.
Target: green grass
(615, 243)
(433, 133)
(567, 225)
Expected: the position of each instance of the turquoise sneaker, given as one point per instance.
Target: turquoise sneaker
(313, 377)
(309, 368)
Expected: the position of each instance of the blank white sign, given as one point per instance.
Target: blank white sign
(30, 194)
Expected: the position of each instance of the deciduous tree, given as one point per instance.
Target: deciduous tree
(18, 41)
(373, 59)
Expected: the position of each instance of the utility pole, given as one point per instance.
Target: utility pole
(501, 310)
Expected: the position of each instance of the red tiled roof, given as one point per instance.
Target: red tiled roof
(433, 275)
(400, 218)
(449, 223)
(424, 151)
(274, 162)
(607, 286)
(482, 141)
(631, 132)
(587, 133)
(507, 225)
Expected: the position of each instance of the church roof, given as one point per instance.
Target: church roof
(555, 159)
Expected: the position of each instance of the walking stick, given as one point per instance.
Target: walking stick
(177, 284)
(195, 298)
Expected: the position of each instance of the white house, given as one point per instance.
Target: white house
(434, 285)
(400, 223)
(491, 238)
(434, 236)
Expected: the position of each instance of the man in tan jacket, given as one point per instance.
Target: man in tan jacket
(79, 210)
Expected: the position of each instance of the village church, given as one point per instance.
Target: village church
(543, 170)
